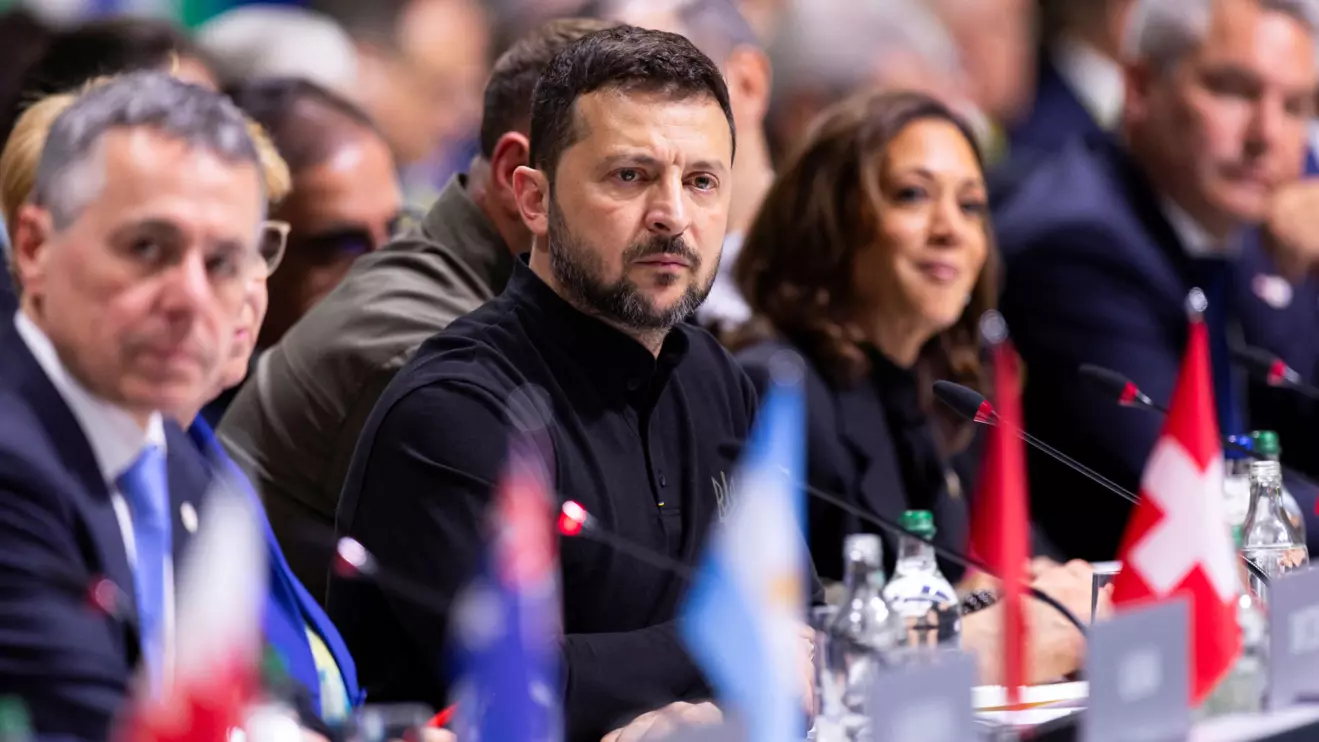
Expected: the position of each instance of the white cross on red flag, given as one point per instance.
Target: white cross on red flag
(1177, 542)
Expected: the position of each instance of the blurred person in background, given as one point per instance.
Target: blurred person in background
(421, 65)
(828, 49)
(764, 16)
(134, 254)
(23, 37)
(719, 30)
(253, 42)
(295, 425)
(345, 201)
(996, 44)
(110, 47)
(294, 624)
(1080, 85)
(1104, 241)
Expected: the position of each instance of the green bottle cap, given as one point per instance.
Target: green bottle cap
(14, 721)
(1267, 444)
(1238, 535)
(919, 522)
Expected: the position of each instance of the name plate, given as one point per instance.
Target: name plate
(926, 700)
(1138, 665)
(1293, 638)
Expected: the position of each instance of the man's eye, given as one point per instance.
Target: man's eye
(628, 176)
(146, 249)
(705, 183)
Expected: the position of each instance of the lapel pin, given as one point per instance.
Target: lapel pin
(188, 514)
(1273, 290)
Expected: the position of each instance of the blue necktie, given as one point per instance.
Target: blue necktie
(145, 487)
(1217, 287)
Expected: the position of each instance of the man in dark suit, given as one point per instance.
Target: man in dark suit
(1079, 88)
(1104, 242)
(133, 262)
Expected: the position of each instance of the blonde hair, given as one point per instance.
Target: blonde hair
(22, 154)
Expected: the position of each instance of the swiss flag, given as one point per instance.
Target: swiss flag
(1177, 542)
(1000, 535)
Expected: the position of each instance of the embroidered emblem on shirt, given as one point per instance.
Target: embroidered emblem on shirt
(723, 495)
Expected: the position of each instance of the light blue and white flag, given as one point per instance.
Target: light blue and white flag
(742, 620)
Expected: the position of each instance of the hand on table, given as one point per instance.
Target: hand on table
(661, 722)
(1056, 648)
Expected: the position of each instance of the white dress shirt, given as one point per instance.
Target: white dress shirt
(724, 307)
(1196, 240)
(116, 440)
(1096, 80)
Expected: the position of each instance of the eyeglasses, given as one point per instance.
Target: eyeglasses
(274, 240)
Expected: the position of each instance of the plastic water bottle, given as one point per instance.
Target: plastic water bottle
(864, 632)
(1242, 689)
(919, 592)
(1236, 479)
(1269, 538)
(1267, 444)
(15, 724)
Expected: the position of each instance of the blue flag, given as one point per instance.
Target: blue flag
(507, 622)
(744, 615)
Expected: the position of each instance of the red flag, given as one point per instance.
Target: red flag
(1000, 532)
(1177, 542)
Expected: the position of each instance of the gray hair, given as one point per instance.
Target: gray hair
(835, 44)
(1162, 32)
(67, 175)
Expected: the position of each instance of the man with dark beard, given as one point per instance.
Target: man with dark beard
(632, 148)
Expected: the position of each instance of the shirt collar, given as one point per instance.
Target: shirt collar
(1095, 79)
(1196, 241)
(616, 363)
(459, 224)
(115, 437)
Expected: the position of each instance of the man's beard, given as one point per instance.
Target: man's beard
(579, 271)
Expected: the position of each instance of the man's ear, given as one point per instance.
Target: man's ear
(512, 151)
(750, 78)
(531, 190)
(1140, 78)
(31, 234)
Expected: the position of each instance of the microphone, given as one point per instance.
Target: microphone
(1114, 384)
(575, 521)
(352, 561)
(1272, 370)
(973, 406)
(1126, 393)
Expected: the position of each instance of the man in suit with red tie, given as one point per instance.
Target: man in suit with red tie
(132, 258)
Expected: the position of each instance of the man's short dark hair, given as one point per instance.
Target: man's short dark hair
(104, 47)
(513, 78)
(624, 58)
(306, 122)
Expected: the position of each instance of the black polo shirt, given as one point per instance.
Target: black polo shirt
(644, 443)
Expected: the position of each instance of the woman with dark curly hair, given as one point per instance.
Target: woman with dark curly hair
(872, 258)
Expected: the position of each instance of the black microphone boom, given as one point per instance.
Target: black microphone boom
(1272, 370)
(973, 406)
(963, 560)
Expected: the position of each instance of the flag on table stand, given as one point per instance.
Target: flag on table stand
(1176, 542)
(1000, 535)
(743, 616)
(506, 623)
(218, 645)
